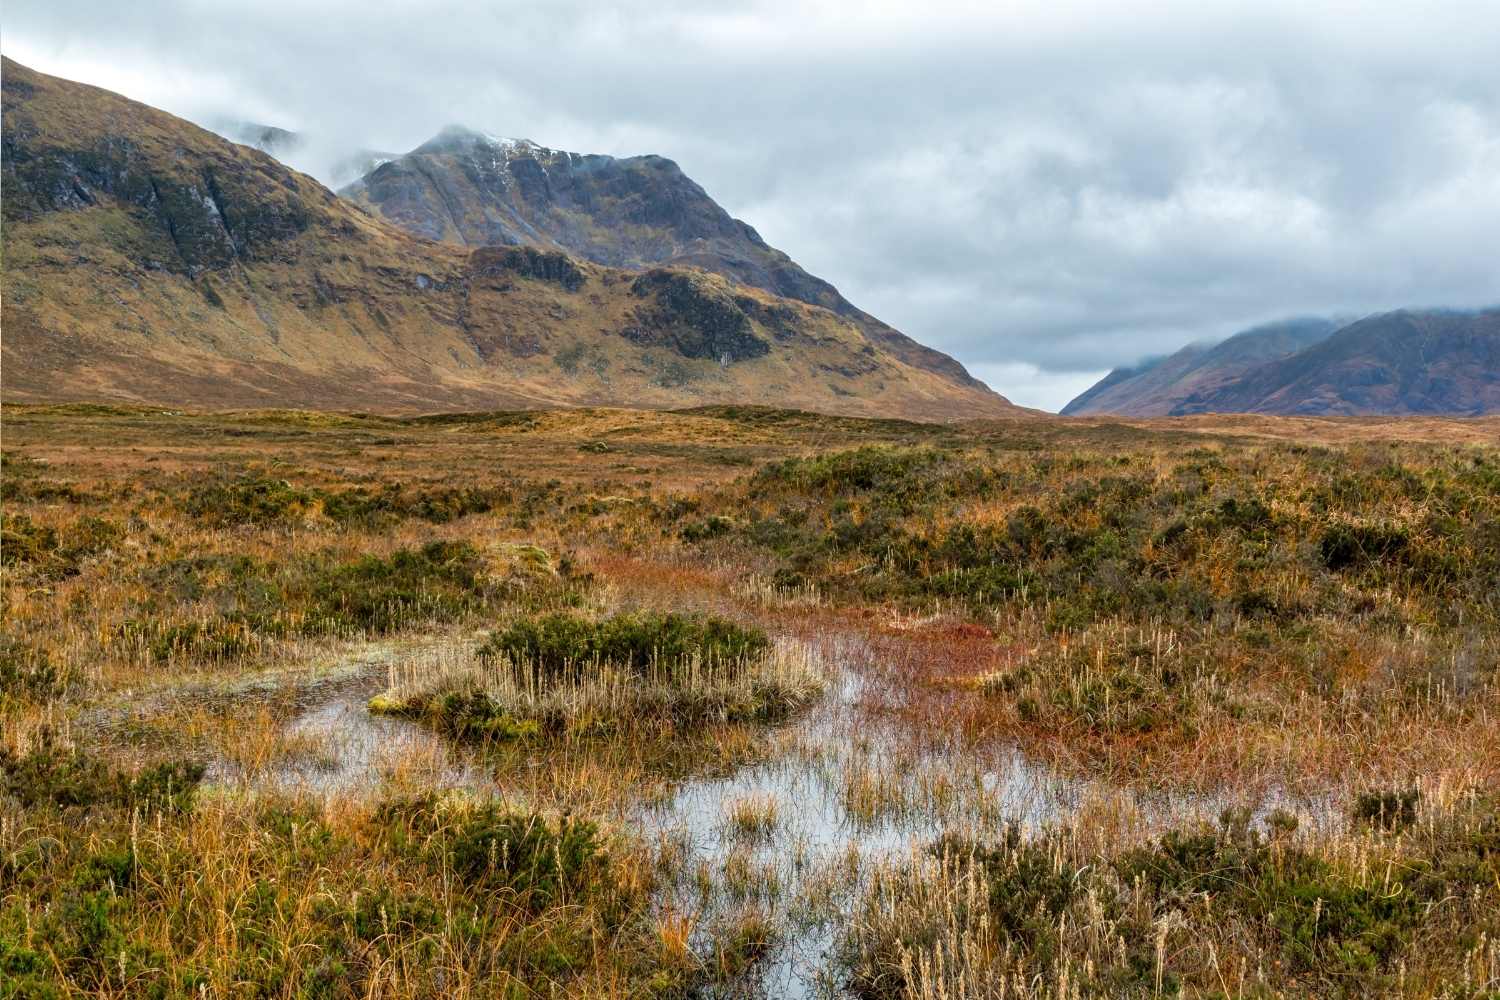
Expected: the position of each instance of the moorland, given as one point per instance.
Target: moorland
(737, 701)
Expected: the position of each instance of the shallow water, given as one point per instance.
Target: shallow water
(847, 789)
(808, 870)
(337, 745)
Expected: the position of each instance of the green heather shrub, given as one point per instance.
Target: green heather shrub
(242, 602)
(537, 862)
(68, 779)
(562, 645)
(52, 552)
(27, 674)
(1321, 920)
(257, 502)
(374, 508)
(1092, 542)
(467, 714)
(441, 581)
(1029, 887)
(524, 853)
(1388, 809)
(716, 526)
(217, 639)
(1356, 546)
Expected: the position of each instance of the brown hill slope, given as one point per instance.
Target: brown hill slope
(148, 259)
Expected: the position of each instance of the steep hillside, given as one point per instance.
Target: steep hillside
(472, 189)
(1407, 362)
(148, 259)
(1157, 387)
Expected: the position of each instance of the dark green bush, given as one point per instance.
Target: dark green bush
(1028, 888)
(53, 552)
(66, 778)
(441, 581)
(26, 674)
(526, 855)
(1322, 921)
(1356, 546)
(439, 506)
(1388, 809)
(257, 502)
(702, 531)
(212, 639)
(562, 645)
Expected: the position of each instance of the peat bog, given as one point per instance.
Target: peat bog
(746, 702)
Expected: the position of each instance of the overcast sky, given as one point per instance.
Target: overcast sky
(1044, 189)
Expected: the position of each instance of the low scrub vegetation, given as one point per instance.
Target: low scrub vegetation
(1250, 905)
(668, 717)
(568, 674)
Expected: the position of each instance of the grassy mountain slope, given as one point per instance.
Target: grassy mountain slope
(148, 259)
(1159, 386)
(1406, 362)
(472, 189)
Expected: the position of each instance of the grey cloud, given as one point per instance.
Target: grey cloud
(1041, 189)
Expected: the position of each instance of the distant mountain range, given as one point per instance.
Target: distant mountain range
(1404, 362)
(148, 259)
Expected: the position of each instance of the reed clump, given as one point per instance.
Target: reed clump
(568, 674)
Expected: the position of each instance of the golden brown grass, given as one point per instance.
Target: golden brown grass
(1323, 684)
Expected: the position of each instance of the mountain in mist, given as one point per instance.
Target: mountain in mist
(1406, 362)
(1158, 386)
(148, 259)
(296, 149)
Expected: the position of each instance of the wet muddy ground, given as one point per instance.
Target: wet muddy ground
(788, 839)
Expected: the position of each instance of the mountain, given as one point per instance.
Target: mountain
(1405, 362)
(300, 151)
(1158, 386)
(279, 142)
(473, 189)
(147, 259)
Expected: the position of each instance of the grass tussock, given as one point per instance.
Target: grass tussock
(121, 896)
(566, 674)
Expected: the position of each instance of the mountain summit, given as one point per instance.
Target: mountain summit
(148, 259)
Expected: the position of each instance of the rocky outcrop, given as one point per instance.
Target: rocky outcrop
(694, 317)
(206, 212)
(526, 262)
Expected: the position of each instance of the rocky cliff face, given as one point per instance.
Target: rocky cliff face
(472, 189)
(148, 259)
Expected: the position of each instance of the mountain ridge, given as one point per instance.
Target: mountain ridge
(1157, 386)
(1410, 361)
(470, 188)
(148, 259)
